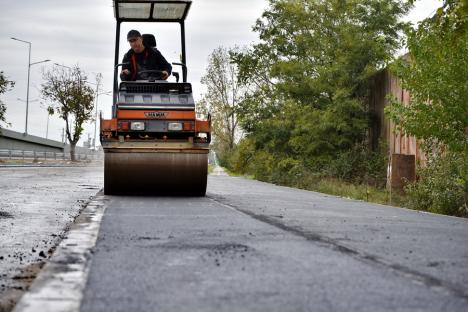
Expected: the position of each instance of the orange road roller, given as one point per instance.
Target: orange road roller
(154, 144)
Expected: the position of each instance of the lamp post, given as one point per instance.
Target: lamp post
(57, 64)
(47, 128)
(29, 72)
(24, 101)
(98, 80)
(95, 119)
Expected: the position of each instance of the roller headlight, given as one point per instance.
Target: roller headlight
(174, 126)
(137, 125)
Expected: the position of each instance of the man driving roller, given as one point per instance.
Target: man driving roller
(140, 58)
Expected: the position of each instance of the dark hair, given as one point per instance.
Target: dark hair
(133, 33)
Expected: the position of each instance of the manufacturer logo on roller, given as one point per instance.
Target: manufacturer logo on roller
(156, 114)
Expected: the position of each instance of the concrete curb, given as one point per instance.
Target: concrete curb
(59, 286)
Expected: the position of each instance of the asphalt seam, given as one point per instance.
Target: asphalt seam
(427, 280)
(59, 285)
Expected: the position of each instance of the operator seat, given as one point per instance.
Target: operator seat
(149, 41)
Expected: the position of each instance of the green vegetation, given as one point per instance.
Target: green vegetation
(442, 186)
(302, 100)
(358, 191)
(436, 76)
(5, 85)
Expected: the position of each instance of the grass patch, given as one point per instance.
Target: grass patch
(210, 168)
(341, 188)
(235, 174)
(357, 191)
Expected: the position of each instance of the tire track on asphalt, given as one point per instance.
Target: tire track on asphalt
(426, 279)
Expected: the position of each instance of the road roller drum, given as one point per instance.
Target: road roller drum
(155, 172)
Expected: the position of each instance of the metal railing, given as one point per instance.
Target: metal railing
(44, 155)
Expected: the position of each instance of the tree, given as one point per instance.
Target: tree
(71, 98)
(436, 76)
(313, 65)
(224, 93)
(5, 85)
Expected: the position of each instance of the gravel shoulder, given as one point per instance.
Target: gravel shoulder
(37, 205)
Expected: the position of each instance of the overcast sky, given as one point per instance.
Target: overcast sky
(83, 32)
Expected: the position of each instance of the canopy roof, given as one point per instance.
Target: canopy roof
(151, 10)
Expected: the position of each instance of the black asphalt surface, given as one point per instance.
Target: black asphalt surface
(252, 246)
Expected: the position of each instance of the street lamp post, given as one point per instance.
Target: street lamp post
(47, 128)
(95, 118)
(98, 80)
(29, 72)
(57, 64)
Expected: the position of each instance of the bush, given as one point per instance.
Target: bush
(361, 165)
(442, 186)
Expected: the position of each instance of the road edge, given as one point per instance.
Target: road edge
(59, 285)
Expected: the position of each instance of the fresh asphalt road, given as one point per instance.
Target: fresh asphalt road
(252, 246)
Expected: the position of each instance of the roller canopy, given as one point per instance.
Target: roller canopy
(151, 10)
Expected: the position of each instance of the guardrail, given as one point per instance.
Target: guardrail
(36, 155)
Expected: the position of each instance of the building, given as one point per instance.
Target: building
(404, 151)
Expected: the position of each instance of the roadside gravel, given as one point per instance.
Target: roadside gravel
(37, 204)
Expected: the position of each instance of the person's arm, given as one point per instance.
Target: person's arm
(126, 73)
(162, 63)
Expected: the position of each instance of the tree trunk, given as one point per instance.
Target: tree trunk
(72, 151)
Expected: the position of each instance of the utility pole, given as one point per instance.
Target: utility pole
(98, 82)
(29, 73)
(47, 128)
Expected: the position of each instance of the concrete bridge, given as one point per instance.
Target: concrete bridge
(13, 140)
(17, 141)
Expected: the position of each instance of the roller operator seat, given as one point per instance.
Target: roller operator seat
(149, 41)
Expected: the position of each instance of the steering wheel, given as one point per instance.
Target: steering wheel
(153, 74)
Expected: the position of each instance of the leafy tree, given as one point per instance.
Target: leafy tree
(436, 75)
(5, 85)
(72, 99)
(261, 100)
(224, 93)
(310, 78)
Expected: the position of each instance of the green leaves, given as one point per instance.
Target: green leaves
(436, 75)
(308, 80)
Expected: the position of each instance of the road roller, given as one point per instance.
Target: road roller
(154, 144)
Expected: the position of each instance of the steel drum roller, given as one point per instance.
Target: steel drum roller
(153, 173)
